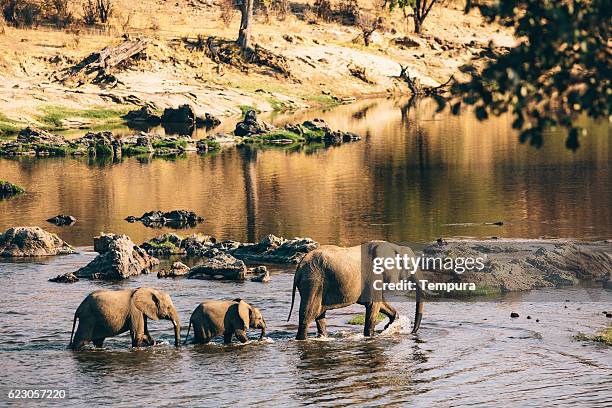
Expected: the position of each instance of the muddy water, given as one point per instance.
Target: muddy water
(413, 177)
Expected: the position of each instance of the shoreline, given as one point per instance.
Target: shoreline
(173, 72)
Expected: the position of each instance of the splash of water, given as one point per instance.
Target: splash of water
(402, 325)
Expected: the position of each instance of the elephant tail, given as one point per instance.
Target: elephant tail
(188, 327)
(73, 325)
(295, 278)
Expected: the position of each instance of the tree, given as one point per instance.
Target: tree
(420, 10)
(559, 70)
(246, 15)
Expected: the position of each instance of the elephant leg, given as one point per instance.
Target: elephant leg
(310, 308)
(321, 325)
(147, 337)
(137, 331)
(99, 343)
(83, 334)
(390, 312)
(241, 336)
(372, 310)
(198, 334)
(227, 338)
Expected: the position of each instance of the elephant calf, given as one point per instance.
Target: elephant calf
(228, 317)
(106, 313)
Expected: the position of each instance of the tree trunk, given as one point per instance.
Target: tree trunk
(244, 35)
(417, 24)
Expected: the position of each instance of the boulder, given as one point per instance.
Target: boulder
(62, 220)
(177, 269)
(119, 258)
(184, 114)
(172, 219)
(515, 265)
(144, 115)
(199, 245)
(209, 121)
(164, 245)
(330, 136)
(273, 249)
(260, 273)
(65, 278)
(9, 189)
(222, 266)
(32, 135)
(514, 315)
(251, 126)
(101, 144)
(32, 241)
(408, 42)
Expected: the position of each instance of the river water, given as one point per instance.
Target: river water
(415, 176)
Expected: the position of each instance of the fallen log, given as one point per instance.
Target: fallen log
(421, 90)
(99, 67)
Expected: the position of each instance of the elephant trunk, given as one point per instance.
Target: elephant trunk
(418, 311)
(177, 329)
(263, 331)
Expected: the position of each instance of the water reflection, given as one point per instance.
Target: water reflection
(416, 175)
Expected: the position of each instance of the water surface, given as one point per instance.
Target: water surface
(415, 176)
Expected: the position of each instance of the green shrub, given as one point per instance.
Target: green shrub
(360, 319)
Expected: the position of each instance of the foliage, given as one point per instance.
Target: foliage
(9, 189)
(53, 116)
(604, 336)
(105, 10)
(349, 11)
(360, 319)
(368, 24)
(245, 108)
(21, 13)
(58, 12)
(8, 126)
(90, 12)
(559, 70)
(420, 10)
(323, 9)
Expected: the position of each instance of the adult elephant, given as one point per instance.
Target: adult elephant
(106, 313)
(331, 277)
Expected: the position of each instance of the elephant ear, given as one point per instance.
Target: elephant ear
(147, 302)
(244, 312)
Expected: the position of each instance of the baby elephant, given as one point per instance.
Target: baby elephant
(106, 313)
(215, 317)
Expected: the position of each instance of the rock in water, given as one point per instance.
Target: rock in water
(66, 278)
(177, 269)
(514, 315)
(164, 245)
(261, 274)
(209, 121)
(119, 258)
(273, 249)
(172, 219)
(32, 241)
(34, 135)
(9, 189)
(62, 219)
(221, 266)
(251, 126)
(184, 114)
(143, 115)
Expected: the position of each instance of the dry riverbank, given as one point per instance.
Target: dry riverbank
(174, 69)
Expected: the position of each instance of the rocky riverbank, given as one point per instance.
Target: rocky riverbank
(507, 265)
(516, 265)
(32, 141)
